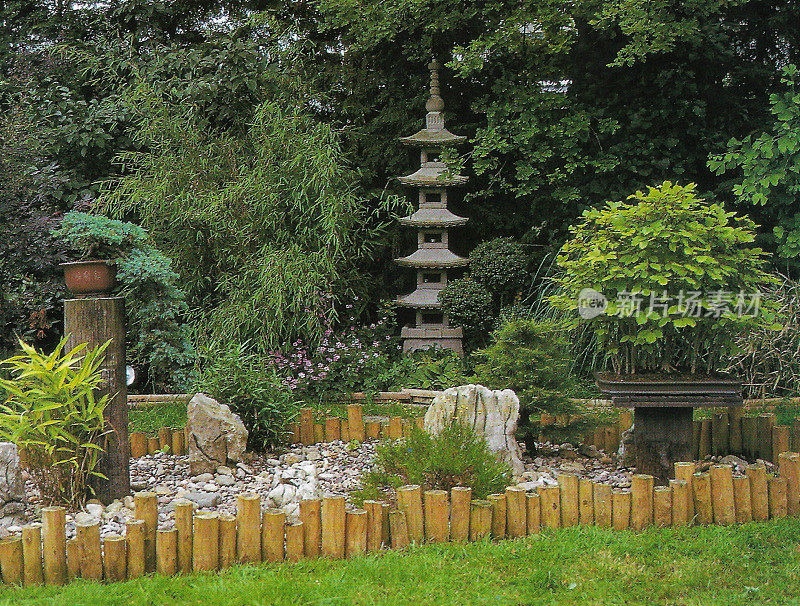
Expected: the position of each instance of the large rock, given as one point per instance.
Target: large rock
(216, 435)
(12, 484)
(493, 415)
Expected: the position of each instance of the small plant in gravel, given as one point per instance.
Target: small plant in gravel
(457, 456)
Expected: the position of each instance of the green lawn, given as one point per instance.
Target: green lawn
(755, 563)
(148, 419)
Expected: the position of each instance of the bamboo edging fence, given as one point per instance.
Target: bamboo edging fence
(210, 542)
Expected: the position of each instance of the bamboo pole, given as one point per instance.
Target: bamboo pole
(516, 512)
(789, 465)
(32, 554)
(722, 495)
(306, 426)
(759, 493)
(311, 516)
(294, 541)
(248, 517)
(11, 561)
(701, 489)
(356, 532)
(115, 558)
(167, 552)
(641, 500)
(684, 470)
(704, 449)
(134, 536)
(273, 530)
(345, 431)
(437, 516)
(620, 509)
(498, 502)
(178, 441)
(374, 525)
(184, 514)
(295, 429)
(409, 500)
(741, 495)
(165, 438)
(387, 528)
(395, 428)
(533, 504)
(373, 429)
(681, 497)
(91, 553)
(586, 501)
(333, 527)
(73, 559)
(333, 428)
(480, 520)
(399, 529)
(146, 508)
(781, 434)
(602, 505)
(662, 506)
(568, 484)
(54, 545)
(460, 499)
(206, 542)
(153, 445)
(551, 507)
(227, 540)
(355, 422)
(138, 444)
(319, 433)
(777, 497)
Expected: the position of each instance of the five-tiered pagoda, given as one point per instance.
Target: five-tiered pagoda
(433, 258)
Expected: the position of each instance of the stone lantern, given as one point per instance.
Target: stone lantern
(433, 258)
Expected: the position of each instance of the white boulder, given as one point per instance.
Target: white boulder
(216, 435)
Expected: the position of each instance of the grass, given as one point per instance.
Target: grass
(148, 419)
(750, 564)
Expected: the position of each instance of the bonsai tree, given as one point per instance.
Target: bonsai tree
(670, 277)
(98, 237)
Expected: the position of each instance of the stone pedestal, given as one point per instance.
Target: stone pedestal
(661, 436)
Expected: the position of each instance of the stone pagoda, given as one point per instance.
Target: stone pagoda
(433, 258)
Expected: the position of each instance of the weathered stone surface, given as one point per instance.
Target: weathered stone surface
(12, 484)
(492, 413)
(216, 435)
(626, 457)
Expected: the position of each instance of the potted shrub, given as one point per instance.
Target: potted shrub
(663, 284)
(100, 241)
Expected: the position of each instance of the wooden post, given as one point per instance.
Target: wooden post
(722, 495)
(460, 499)
(735, 429)
(697, 427)
(437, 516)
(516, 512)
(294, 541)
(741, 494)
(178, 441)
(684, 470)
(641, 500)
(91, 554)
(409, 500)
(146, 508)
(153, 445)
(333, 527)
(701, 490)
(764, 437)
(498, 502)
(759, 493)
(781, 434)
(356, 532)
(134, 536)
(387, 527)
(681, 497)
(395, 428)
(620, 509)
(115, 558)
(533, 504)
(374, 525)
(206, 542)
(311, 516)
(602, 504)
(11, 561)
(32, 554)
(165, 439)
(167, 552)
(184, 515)
(73, 559)
(480, 520)
(586, 501)
(777, 497)
(704, 449)
(719, 433)
(749, 436)
(138, 444)
(355, 421)
(273, 531)
(373, 430)
(345, 431)
(248, 517)
(399, 529)
(789, 465)
(95, 321)
(319, 433)
(796, 434)
(333, 428)
(307, 426)
(662, 506)
(569, 499)
(227, 540)
(54, 550)
(551, 507)
(295, 429)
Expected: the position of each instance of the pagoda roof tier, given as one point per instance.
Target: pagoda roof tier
(433, 138)
(433, 217)
(422, 298)
(437, 258)
(432, 174)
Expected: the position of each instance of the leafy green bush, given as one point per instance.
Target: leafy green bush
(455, 457)
(431, 368)
(467, 303)
(500, 265)
(52, 413)
(98, 237)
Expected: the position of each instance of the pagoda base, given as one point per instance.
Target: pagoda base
(425, 338)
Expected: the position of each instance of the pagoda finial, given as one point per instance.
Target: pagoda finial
(435, 102)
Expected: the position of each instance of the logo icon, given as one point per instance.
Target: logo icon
(591, 303)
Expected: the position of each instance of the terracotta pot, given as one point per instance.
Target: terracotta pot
(90, 277)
